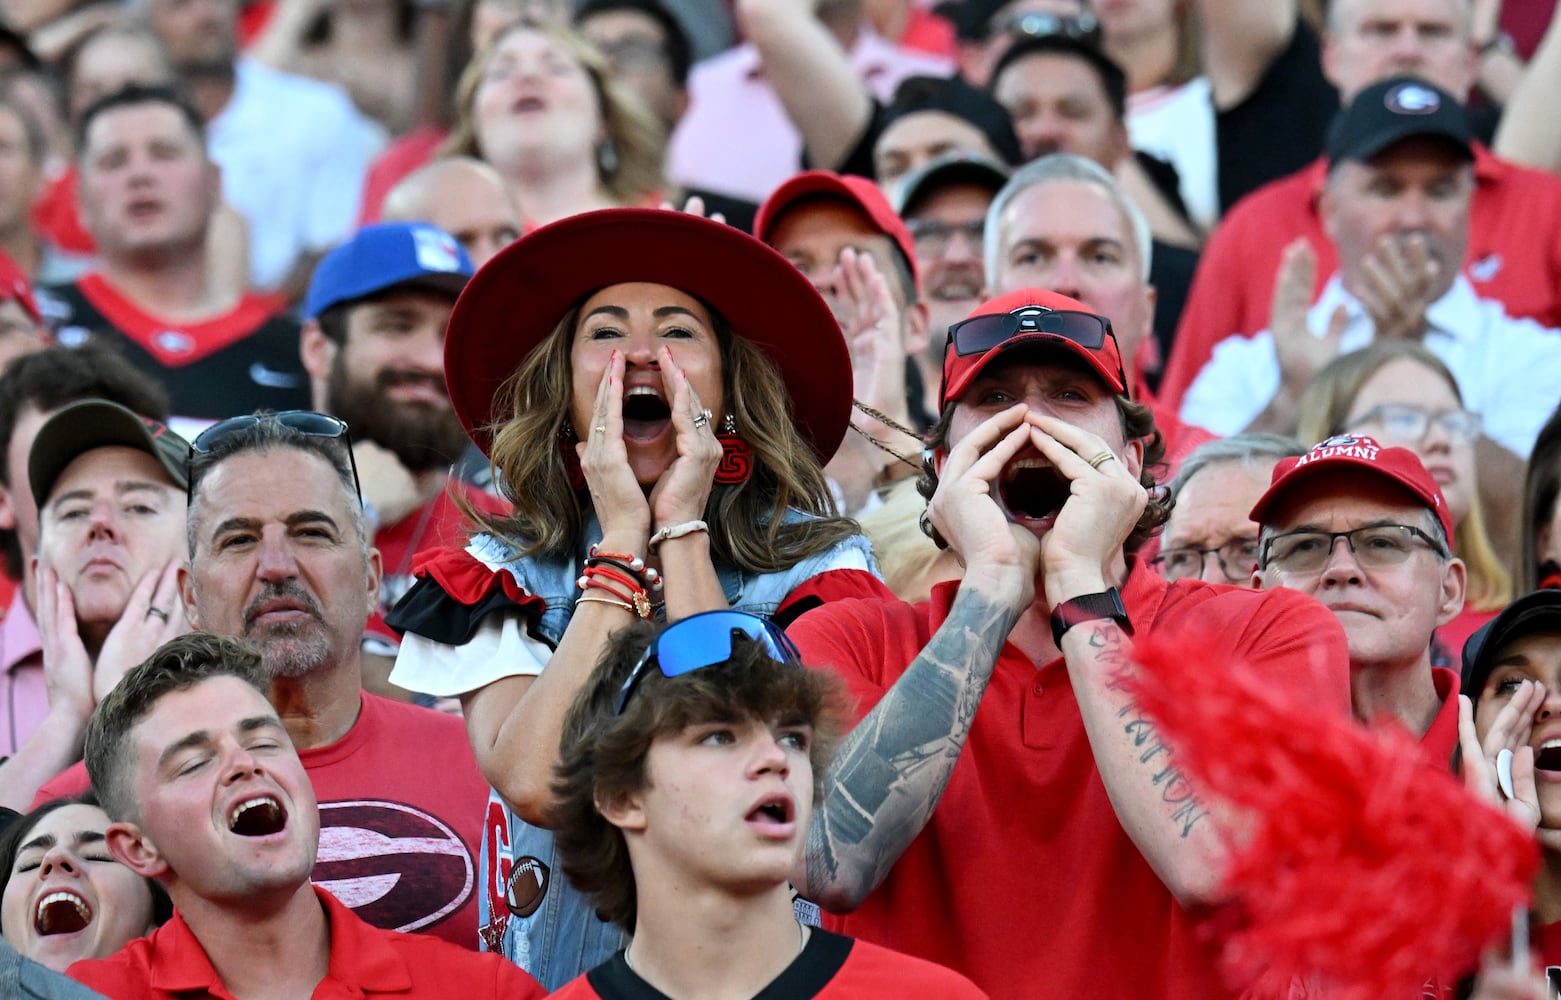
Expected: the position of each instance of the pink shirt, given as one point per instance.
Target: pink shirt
(23, 698)
(736, 139)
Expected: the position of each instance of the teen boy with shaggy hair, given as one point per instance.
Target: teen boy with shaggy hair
(689, 769)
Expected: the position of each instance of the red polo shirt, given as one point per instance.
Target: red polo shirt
(1024, 879)
(365, 962)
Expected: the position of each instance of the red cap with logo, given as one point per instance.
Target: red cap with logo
(1027, 306)
(1347, 454)
(859, 191)
(14, 285)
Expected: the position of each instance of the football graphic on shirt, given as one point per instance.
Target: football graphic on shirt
(396, 866)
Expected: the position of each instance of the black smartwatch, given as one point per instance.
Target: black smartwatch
(1089, 608)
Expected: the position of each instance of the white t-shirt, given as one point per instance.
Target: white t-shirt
(1508, 370)
(293, 153)
(1176, 124)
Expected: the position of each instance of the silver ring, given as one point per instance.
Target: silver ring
(702, 418)
(159, 613)
(601, 428)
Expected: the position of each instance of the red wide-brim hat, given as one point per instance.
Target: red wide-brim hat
(516, 300)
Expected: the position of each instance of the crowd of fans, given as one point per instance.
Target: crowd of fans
(644, 498)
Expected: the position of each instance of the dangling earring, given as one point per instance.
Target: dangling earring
(606, 157)
(736, 456)
(566, 448)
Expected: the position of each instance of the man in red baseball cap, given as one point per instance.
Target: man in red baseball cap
(841, 232)
(1003, 806)
(1366, 531)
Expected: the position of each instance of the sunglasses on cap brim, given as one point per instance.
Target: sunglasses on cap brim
(705, 640)
(980, 334)
(305, 422)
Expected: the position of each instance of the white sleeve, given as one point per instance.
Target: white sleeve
(1234, 387)
(1521, 383)
(500, 648)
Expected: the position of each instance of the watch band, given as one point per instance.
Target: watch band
(1089, 608)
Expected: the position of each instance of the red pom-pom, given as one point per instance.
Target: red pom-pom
(1353, 866)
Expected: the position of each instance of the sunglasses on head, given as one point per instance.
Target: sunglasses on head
(704, 640)
(980, 334)
(305, 422)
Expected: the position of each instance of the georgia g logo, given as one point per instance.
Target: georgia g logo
(396, 866)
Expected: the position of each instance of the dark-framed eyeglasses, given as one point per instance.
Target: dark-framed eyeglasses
(1403, 422)
(980, 334)
(704, 640)
(1237, 558)
(933, 236)
(305, 422)
(1376, 546)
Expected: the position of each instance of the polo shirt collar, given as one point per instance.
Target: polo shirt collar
(1448, 316)
(361, 956)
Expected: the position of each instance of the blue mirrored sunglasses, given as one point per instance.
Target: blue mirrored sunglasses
(704, 640)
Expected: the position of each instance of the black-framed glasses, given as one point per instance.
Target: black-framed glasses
(1376, 546)
(1083, 27)
(1236, 558)
(305, 422)
(1403, 422)
(704, 640)
(933, 236)
(979, 334)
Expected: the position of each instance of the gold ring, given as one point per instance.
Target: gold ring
(1101, 459)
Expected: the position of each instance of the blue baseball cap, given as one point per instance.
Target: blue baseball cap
(387, 255)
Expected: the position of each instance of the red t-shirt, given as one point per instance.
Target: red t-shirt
(1024, 879)
(1441, 739)
(830, 966)
(1514, 256)
(401, 806)
(365, 962)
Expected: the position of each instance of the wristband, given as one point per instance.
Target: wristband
(677, 531)
(1088, 608)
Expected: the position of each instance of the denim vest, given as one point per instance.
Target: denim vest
(526, 907)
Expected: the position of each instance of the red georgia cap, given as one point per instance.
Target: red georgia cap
(958, 371)
(14, 285)
(859, 191)
(1343, 454)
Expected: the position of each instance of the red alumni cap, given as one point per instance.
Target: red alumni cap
(859, 191)
(1344, 454)
(1029, 316)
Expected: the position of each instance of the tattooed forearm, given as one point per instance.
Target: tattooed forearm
(893, 767)
(1111, 652)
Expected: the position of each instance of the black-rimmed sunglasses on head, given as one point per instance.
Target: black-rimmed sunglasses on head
(305, 422)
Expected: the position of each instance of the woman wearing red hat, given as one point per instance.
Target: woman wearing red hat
(658, 393)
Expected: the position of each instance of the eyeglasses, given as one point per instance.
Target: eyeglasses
(1236, 558)
(1402, 422)
(1377, 546)
(704, 640)
(306, 422)
(933, 236)
(1038, 24)
(979, 334)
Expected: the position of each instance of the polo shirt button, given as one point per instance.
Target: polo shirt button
(1039, 689)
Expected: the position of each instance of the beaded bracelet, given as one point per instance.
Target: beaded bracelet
(676, 531)
(628, 562)
(645, 575)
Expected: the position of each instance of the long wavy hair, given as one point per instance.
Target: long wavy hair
(639, 142)
(747, 520)
(1324, 408)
